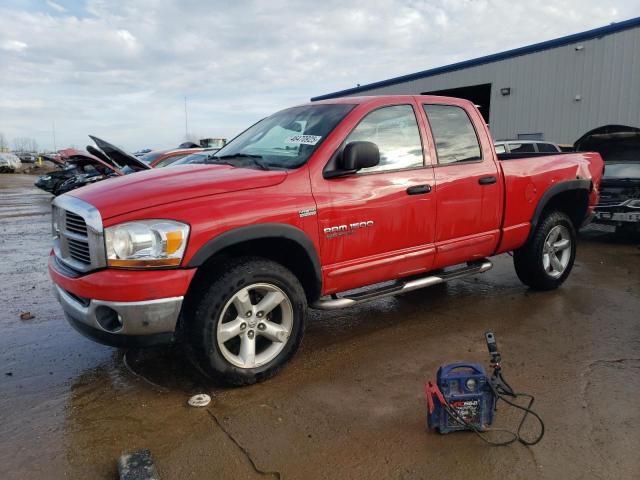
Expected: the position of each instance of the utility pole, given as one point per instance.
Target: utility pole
(53, 131)
(186, 123)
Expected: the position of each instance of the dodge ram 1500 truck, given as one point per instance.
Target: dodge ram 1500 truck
(305, 208)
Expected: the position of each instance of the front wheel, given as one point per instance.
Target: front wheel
(248, 322)
(546, 260)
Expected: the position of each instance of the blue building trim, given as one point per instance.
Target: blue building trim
(516, 52)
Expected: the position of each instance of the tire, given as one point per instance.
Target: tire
(219, 336)
(534, 262)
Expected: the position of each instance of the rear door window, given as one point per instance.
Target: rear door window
(521, 148)
(454, 135)
(547, 147)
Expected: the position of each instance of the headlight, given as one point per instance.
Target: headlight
(146, 243)
(633, 204)
(46, 177)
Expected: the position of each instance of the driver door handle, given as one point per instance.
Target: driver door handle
(487, 180)
(418, 189)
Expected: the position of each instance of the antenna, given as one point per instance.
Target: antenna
(53, 131)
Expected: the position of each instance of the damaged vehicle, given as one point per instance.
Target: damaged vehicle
(619, 205)
(619, 146)
(164, 158)
(77, 166)
(80, 167)
(9, 163)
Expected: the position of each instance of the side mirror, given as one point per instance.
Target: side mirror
(357, 155)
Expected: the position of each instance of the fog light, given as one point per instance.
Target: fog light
(108, 319)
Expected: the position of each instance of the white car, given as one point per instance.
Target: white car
(9, 163)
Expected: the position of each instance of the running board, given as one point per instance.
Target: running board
(401, 286)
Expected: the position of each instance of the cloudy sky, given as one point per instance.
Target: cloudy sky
(121, 69)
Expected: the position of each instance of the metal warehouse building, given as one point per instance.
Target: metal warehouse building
(558, 90)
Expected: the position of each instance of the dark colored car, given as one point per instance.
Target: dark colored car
(619, 146)
(75, 166)
(80, 168)
(619, 204)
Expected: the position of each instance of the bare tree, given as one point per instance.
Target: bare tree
(25, 144)
(3, 142)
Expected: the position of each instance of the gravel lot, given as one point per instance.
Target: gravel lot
(350, 404)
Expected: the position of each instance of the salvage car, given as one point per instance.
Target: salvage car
(619, 205)
(80, 168)
(305, 208)
(9, 163)
(164, 158)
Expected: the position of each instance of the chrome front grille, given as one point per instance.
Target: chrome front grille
(75, 223)
(79, 250)
(78, 239)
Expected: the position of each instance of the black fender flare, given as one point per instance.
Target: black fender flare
(256, 232)
(561, 187)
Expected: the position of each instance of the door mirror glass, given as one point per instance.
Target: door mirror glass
(357, 155)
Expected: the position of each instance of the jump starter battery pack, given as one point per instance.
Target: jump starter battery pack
(466, 390)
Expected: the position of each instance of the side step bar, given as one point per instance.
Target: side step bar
(334, 302)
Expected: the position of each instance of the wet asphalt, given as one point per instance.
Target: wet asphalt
(351, 403)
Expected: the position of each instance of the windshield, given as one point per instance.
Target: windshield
(287, 138)
(622, 170)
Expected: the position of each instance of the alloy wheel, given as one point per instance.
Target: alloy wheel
(255, 325)
(556, 251)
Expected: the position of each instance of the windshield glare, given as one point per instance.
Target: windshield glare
(287, 138)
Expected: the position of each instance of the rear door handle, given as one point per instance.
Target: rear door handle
(418, 189)
(487, 180)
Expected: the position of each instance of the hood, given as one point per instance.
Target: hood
(54, 158)
(80, 157)
(120, 157)
(169, 185)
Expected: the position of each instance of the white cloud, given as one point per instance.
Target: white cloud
(55, 6)
(121, 69)
(13, 45)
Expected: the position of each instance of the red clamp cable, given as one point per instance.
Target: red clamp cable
(431, 389)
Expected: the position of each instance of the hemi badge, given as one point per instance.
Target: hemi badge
(307, 213)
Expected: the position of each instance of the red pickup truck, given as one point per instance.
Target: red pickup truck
(305, 208)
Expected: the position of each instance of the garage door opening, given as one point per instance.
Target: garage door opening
(619, 143)
(479, 94)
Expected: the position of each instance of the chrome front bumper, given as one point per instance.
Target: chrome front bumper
(113, 323)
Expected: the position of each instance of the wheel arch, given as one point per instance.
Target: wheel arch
(570, 197)
(282, 243)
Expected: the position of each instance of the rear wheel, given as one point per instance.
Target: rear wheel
(248, 322)
(546, 260)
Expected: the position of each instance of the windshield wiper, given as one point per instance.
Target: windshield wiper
(253, 158)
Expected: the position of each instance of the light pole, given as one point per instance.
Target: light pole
(186, 123)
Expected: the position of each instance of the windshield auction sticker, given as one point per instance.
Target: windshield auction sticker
(303, 139)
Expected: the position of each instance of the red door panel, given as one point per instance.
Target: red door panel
(468, 185)
(393, 234)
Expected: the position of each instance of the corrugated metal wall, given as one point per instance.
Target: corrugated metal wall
(605, 73)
